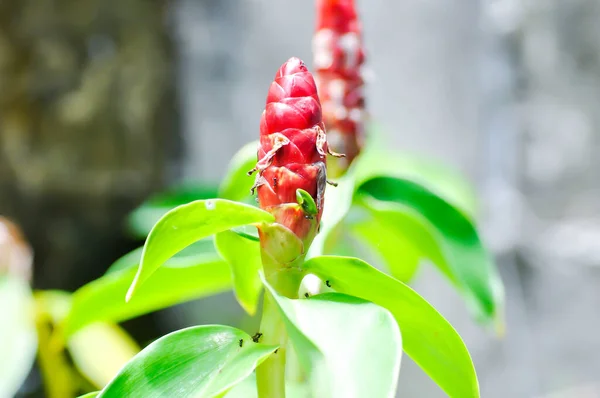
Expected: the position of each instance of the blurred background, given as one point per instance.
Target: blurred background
(103, 102)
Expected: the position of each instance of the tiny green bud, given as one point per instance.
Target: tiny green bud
(306, 202)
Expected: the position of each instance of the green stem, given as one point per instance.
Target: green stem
(281, 253)
(270, 375)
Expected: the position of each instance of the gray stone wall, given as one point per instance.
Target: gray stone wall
(87, 126)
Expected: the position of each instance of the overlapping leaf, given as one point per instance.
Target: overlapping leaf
(348, 346)
(190, 223)
(243, 256)
(201, 361)
(141, 220)
(427, 337)
(457, 242)
(182, 278)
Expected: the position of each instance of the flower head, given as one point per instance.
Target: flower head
(338, 59)
(292, 151)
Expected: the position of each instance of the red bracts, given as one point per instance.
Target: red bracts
(293, 147)
(338, 58)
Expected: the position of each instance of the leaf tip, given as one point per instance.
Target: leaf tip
(249, 308)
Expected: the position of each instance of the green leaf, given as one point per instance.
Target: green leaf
(100, 350)
(243, 256)
(468, 261)
(427, 337)
(201, 361)
(349, 346)
(237, 183)
(18, 340)
(181, 279)
(90, 395)
(247, 389)
(377, 161)
(187, 224)
(394, 229)
(393, 241)
(132, 259)
(141, 220)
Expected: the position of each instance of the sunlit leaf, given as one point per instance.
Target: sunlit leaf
(348, 346)
(237, 183)
(90, 395)
(378, 161)
(395, 250)
(132, 259)
(181, 279)
(201, 361)
(100, 350)
(247, 389)
(187, 224)
(18, 341)
(401, 236)
(141, 220)
(243, 256)
(427, 337)
(468, 261)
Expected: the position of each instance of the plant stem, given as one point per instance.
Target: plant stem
(270, 375)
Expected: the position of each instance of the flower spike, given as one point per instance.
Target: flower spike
(292, 151)
(338, 59)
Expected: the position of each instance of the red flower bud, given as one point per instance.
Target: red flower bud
(338, 58)
(292, 150)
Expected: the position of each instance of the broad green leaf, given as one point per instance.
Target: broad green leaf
(180, 279)
(243, 256)
(201, 361)
(393, 242)
(427, 337)
(401, 235)
(468, 261)
(132, 259)
(141, 220)
(187, 224)
(18, 340)
(378, 161)
(247, 389)
(100, 350)
(348, 346)
(237, 183)
(90, 395)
